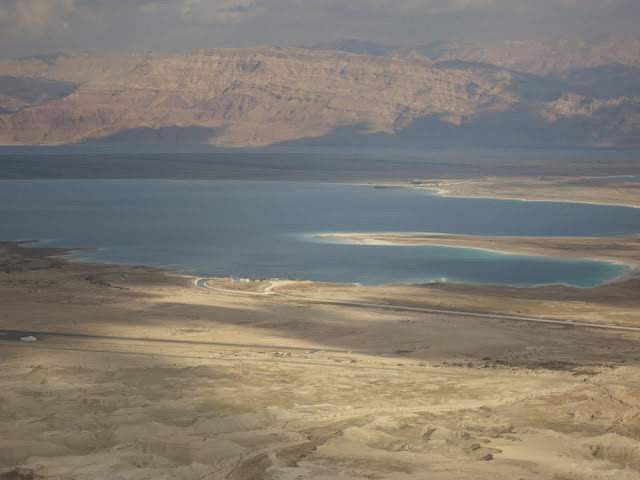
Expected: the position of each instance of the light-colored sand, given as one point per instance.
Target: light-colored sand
(609, 249)
(136, 374)
(546, 189)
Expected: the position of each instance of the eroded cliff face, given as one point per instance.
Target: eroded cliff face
(260, 96)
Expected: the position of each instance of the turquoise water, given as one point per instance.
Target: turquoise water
(260, 229)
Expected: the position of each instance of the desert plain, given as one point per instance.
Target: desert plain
(129, 372)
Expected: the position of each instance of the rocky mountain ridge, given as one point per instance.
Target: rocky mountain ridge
(565, 92)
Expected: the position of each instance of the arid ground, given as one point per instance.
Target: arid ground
(135, 373)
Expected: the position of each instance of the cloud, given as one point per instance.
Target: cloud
(407, 7)
(238, 11)
(34, 19)
(427, 8)
(149, 7)
(212, 12)
(29, 27)
(34, 27)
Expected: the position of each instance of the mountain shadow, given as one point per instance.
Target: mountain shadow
(518, 127)
(605, 81)
(160, 136)
(34, 91)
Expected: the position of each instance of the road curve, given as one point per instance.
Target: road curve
(202, 283)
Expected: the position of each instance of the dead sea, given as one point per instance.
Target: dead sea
(258, 230)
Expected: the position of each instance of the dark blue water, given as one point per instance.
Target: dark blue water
(257, 229)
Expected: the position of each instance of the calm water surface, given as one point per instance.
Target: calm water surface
(261, 229)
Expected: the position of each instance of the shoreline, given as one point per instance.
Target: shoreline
(441, 192)
(505, 245)
(448, 194)
(474, 188)
(578, 189)
(530, 188)
(399, 239)
(240, 286)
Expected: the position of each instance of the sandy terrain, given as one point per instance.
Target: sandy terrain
(550, 189)
(138, 374)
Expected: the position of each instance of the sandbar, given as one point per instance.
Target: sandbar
(622, 250)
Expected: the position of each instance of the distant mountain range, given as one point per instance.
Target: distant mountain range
(554, 92)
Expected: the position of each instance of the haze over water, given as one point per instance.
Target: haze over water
(262, 229)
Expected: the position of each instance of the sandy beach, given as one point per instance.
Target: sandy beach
(594, 190)
(135, 373)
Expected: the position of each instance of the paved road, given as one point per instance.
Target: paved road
(269, 291)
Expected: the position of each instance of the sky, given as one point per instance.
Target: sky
(37, 27)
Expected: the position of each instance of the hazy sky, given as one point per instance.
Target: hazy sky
(29, 27)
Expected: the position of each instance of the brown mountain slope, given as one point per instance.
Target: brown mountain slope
(259, 96)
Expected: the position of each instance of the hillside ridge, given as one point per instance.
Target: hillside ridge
(562, 92)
